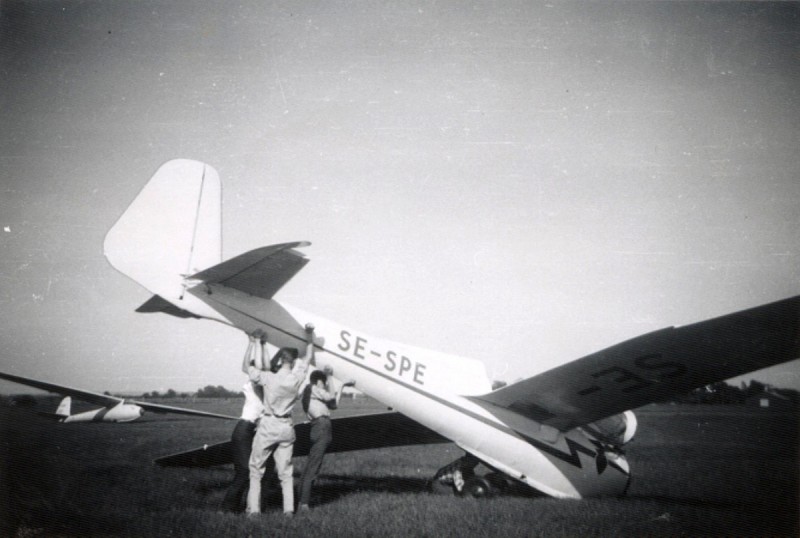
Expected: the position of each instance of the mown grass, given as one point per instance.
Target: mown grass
(701, 470)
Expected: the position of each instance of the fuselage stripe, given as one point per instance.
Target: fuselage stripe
(570, 458)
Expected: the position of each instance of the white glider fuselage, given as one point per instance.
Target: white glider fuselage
(432, 388)
(120, 413)
(169, 241)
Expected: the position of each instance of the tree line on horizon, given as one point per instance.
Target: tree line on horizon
(720, 392)
(716, 393)
(725, 393)
(209, 391)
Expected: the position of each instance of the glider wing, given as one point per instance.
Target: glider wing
(655, 366)
(158, 408)
(96, 398)
(359, 432)
(106, 400)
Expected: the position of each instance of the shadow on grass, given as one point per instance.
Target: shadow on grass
(38, 494)
(690, 501)
(329, 488)
(759, 515)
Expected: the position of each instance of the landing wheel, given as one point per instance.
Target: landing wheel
(477, 487)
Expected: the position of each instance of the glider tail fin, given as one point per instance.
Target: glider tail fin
(171, 230)
(64, 408)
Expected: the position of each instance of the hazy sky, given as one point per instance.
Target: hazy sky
(522, 183)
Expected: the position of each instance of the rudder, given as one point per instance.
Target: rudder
(171, 230)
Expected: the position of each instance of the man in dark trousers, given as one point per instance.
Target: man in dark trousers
(319, 397)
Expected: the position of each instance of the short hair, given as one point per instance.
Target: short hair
(284, 354)
(318, 375)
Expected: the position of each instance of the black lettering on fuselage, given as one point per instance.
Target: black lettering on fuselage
(390, 362)
(344, 345)
(419, 371)
(401, 365)
(405, 365)
(359, 347)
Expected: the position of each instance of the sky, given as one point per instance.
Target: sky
(523, 183)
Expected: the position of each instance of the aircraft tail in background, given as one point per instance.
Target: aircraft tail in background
(64, 408)
(63, 412)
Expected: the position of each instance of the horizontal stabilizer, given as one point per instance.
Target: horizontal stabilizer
(260, 272)
(360, 432)
(655, 366)
(158, 304)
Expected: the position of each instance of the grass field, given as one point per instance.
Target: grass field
(698, 470)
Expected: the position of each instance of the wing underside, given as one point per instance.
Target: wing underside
(655, 366)
(360, 432)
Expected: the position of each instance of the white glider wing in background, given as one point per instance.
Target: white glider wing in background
(114, 409)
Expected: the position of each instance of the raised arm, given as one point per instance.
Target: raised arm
(301, 364)
(335, 389)
(248, 355)
(254, 356)
(309, 354)
(260, 359)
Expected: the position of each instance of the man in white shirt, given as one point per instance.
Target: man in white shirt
(319, 397)
(245, 429)
(275, 432)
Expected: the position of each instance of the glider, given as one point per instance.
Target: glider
(561, 432)
(113, 409)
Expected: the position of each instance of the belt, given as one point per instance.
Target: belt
(278, 416)
(320, 418)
